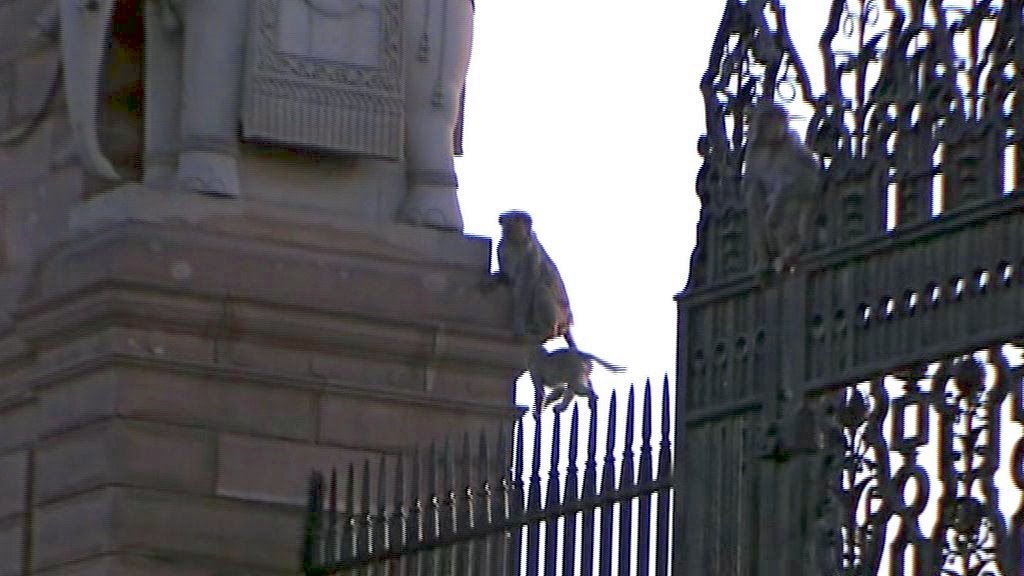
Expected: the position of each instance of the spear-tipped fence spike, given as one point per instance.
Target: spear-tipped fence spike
(626, 483)
(607, 486)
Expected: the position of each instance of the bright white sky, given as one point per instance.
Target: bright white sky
(586, 113)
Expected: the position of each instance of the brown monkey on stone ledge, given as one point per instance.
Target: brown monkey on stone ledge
(540, 305)
(780, 187)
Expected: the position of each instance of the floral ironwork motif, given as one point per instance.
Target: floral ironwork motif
(913, 483)
(873, 389)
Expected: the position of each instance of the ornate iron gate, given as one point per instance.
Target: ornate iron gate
(861, 411)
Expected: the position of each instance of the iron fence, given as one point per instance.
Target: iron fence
(443, 511)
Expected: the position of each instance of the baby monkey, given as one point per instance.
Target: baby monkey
(565, 373)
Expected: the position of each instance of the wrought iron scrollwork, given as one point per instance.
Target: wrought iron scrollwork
(914, 479)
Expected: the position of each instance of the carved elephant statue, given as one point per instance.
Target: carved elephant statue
(195, 68)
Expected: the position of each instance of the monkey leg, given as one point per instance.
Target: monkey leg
(557, 393)
(566, 399)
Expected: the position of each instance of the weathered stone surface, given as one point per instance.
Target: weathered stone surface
(268, 470)
(13, 482)
(73, 529)
(388, 426)
(18, 425)
(125, 453)
(77, 401)
(18, 27)
(34, 77)
(36, 198)
(12, 530)
(139, 564)
(260, 535)
(218, 404)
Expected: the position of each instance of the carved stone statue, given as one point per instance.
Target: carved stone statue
(371, 78)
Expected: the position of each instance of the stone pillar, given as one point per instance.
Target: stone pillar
(173, 366)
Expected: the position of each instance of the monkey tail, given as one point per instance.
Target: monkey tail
(606, 364)
(569, 340)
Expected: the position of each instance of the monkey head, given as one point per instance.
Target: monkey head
(516, 226)
(769, 122)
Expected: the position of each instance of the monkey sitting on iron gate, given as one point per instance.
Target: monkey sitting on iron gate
(566, 374)
(780, 185)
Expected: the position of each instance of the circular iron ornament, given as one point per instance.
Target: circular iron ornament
(969, 514)
(853, 411)
(919, 475)
(970, 375)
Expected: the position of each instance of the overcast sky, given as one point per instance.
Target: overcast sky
(586, 113)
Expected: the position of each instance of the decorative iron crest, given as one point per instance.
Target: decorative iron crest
(920, 115)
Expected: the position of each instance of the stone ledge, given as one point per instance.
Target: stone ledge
(125, 452)
(283, 225)
(14, 470)
(140, 563)
(183, 261)
(12, 545)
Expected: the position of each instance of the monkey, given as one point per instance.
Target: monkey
(565, 373)
(781, 189)
(540, 304)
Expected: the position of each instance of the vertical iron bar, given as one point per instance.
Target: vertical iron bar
(516, 508)
(448, 505)
(311, 544)
(348, 536)
(464, 519)
(501, 505)
(664, 474)
(482, 510)
(607, 487)
(414, 519)
(363, 528)
(362, 524)
(551, 502)
(397, 535)
(380, 519)
(626, 482)
(533, 503)
(433, 519)
(589, 494)
(571, 496)
(644, 478)
(331, 545)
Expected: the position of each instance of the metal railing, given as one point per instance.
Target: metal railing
(448, 513)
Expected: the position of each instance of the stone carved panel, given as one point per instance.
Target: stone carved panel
(326, 74)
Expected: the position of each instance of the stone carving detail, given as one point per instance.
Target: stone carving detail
(340, 76)
(302, 88)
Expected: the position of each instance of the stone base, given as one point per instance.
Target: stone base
(175, 367)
